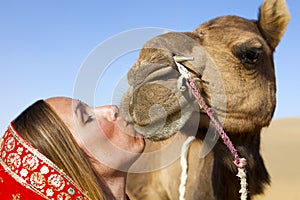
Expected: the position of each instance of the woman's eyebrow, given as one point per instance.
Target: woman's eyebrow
(82, 109)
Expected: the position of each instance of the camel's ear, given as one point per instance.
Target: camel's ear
(273, 20)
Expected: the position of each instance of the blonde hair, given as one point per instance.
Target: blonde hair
(43, 128)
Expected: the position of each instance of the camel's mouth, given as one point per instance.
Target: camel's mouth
(158, 102)
(157, 107)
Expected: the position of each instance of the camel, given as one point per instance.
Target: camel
(232, 64)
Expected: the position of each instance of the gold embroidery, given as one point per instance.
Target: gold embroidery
(16, 196)
(35, 171)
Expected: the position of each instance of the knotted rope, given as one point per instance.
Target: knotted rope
(240, 163)
(184, 166)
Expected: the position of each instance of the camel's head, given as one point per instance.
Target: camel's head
(233, 67)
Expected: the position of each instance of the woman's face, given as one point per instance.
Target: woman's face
(100, 132)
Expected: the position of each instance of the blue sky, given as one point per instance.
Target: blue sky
(44, 44)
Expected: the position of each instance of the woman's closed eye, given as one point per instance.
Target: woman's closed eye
(90, 118)
(84, 113)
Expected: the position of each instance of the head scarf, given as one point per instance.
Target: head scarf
(25, 173)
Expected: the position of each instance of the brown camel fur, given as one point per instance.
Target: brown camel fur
(234, 69)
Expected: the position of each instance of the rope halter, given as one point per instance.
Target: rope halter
(240, 163)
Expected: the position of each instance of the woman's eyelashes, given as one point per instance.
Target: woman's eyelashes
(84, 112)
(90, 118)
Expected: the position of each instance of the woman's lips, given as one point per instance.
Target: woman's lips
(129, 129)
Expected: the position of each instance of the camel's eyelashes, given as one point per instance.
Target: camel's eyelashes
(248, 55)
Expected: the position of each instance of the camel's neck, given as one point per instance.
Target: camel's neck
(224, 180)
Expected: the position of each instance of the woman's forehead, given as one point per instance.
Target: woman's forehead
(65, 108)
(62, 105)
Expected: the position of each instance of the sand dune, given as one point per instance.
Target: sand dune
(280, 149)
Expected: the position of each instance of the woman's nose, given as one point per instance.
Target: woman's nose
(109, 112)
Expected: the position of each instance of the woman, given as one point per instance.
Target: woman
(61, 148)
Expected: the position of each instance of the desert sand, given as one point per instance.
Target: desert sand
(280, 149)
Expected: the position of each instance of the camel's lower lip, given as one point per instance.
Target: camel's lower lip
(158, 115)
(155, 102)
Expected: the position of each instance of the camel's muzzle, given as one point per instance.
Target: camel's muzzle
(157, 101)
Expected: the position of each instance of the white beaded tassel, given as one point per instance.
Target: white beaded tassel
(243, 181)
(184, 166)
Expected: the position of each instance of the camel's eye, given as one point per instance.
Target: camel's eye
(248, 54)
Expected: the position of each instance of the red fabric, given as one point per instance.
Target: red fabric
(10, 189)
(25, 173)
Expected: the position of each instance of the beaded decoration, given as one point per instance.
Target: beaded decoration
(34, 171)
(240, 163)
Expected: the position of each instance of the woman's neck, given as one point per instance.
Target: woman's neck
(115, 181)
(117, 185)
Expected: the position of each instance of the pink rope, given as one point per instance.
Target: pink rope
(239, 162)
